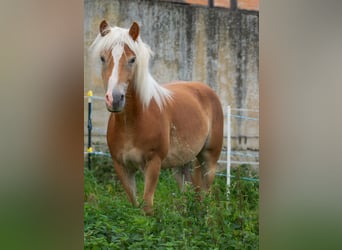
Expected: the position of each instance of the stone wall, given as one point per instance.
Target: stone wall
(218, 46)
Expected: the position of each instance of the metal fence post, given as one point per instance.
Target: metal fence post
(90, 126)
(228, 149)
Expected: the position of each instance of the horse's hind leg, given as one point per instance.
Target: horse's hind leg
(183, 175)
(197, 175)
(211, 151)
(205, 172)
(209, 172)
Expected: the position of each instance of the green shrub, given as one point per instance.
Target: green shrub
(181, 220)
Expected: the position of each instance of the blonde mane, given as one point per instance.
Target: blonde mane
(145, 85)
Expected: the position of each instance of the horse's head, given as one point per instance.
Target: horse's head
(118, 62)
(124, 58)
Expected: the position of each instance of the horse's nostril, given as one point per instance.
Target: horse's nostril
(122, 97)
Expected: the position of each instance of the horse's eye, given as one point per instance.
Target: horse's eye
(132, 60)
(102, 59)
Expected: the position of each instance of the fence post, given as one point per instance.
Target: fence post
(228, 149)
(90, 126)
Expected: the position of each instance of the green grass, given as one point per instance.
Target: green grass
(180, 221)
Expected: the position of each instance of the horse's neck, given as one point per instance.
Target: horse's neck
(132, 108)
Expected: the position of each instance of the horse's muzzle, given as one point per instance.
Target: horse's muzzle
(116, 101)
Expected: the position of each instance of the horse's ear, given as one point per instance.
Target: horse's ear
(104, 28)
(134, 31)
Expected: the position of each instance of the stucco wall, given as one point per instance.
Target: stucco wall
(217, 46)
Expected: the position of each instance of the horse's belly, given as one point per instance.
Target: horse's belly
(181, 153)
(177, 158)
(185, 145)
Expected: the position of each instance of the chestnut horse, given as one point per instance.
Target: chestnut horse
(154, 126)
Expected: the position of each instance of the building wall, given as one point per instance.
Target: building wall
(218, 46)
(252, 5)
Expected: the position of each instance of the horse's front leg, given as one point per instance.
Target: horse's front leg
(127, 179)
(151, 174)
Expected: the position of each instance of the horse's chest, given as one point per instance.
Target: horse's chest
(130, 155)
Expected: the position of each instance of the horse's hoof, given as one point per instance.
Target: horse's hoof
(148, 211)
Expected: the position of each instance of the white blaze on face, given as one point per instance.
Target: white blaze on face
(114, 78)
